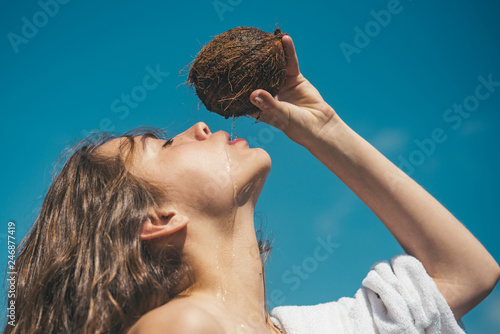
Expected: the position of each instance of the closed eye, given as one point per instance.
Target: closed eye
(168, 142)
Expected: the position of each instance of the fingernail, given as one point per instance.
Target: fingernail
(258, 99)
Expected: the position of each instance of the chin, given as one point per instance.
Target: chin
(264, 157)
(255, 178)
(263, 167)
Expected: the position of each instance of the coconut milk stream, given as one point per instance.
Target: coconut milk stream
(234, 135)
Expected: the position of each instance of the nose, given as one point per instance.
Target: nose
(200, 131)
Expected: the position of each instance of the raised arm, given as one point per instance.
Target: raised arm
(461, 267)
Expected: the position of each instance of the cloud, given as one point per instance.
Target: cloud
(473, 127)
(330, 221)
(493, 310)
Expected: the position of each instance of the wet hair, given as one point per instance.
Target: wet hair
(82, 267)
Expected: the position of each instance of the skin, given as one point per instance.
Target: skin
(216, 233)
(228, 296)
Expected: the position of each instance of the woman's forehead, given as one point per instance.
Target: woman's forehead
(131, 145)
(127, 147)
(112, 147)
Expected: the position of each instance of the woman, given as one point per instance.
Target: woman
(143, 235)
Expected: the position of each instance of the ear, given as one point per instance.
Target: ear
(161, 223)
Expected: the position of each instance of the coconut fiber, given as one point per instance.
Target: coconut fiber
(233, 65)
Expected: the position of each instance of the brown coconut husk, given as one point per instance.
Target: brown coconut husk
(233, 65)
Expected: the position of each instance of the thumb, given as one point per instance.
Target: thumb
(273, 112)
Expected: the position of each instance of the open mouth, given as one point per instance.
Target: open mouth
(237, 140)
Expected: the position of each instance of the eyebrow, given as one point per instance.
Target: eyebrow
(147, 136)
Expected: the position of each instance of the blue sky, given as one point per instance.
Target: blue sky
(397, 72)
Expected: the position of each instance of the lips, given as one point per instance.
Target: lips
(236, 141)
(232, 142)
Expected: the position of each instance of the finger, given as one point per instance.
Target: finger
(292, 63)
(264, 101)
(264, 118)
(273, 112)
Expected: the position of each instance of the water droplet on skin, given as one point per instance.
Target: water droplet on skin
(235, 185)
(222, 292)
(228, 167)
(218, 268)
(224, 295)
(242, 329)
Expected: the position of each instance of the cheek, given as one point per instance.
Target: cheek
(204, 182)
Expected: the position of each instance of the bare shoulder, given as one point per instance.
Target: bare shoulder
(177, 318)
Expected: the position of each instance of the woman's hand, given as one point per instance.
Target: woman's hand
(298, 110)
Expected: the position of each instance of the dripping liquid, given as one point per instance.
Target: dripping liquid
(234, 135)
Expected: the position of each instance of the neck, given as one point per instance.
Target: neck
(228, 269)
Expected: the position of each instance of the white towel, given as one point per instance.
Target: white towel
(398, 298)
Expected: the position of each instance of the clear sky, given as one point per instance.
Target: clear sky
(419, 79)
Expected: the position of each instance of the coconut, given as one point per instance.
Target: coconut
(234, 64)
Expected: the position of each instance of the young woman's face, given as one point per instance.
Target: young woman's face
(202, 170)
